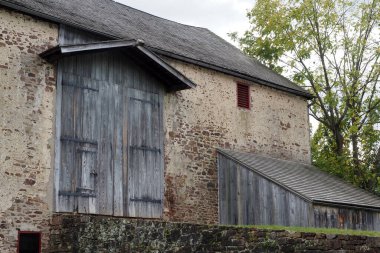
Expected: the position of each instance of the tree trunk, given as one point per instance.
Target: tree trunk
(355, 154)
(339, 141)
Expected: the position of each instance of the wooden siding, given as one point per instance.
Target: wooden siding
(346, 218)
(69, 36)
(247, 198)
(95, 172)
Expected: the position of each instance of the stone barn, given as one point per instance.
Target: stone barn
(111, 111)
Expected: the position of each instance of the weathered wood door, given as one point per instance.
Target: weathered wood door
(91, 147)
(109, 145)
(145, 154)
(79, 145)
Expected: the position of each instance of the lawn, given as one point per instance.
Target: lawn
(318, 230)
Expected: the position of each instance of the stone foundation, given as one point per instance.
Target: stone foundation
(79, 233)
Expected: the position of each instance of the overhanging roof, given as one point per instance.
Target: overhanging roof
(187, 43)
(306, 181)
(172, 78)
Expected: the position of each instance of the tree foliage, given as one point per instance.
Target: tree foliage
(331, 47)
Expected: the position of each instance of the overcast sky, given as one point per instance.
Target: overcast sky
(220, 16)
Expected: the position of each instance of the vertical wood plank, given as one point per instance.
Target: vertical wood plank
(118, 157)
(69, 35)
(233, 194)
(57, 161)
(67, 174)
(105, 178)
(144, 155)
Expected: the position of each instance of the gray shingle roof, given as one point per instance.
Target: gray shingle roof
(167, 37)
(305, 180)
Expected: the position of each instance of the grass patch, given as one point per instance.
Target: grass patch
(318, 230)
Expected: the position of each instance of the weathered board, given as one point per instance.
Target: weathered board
(98, 126)
(346, 218)
(79, 145)
(69, 36)
(145, 172)
(247, 198)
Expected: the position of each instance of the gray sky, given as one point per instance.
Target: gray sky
(220, 16)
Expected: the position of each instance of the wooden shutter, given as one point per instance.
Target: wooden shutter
(79, 145)
(145, 155)
(243, 96)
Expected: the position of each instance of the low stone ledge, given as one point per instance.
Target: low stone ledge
(86, 233)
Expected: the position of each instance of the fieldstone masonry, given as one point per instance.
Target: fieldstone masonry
(87, 234)
(27, 97)
(199, 120)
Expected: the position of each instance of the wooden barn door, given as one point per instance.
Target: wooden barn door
(145, 155)
(109, 144)
(92, 171)
(79, 145)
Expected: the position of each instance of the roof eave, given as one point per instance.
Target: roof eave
(257, 80)
(345, 205)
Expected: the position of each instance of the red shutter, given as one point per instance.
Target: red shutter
(243, 96)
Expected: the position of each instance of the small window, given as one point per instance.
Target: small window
(29, 242)
(243, 96)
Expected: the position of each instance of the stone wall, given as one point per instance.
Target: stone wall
(89, 234)
(199, 120)
(27, 97)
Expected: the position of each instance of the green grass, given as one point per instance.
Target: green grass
(318, 230)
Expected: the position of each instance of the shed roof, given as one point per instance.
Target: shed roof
(306, 181)
(188, 43)
(173, 79)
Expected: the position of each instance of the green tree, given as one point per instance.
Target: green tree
(331, 47)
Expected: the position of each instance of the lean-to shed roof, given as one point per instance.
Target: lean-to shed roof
(188, 43)
(305, 180)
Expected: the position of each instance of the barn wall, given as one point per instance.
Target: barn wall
(27, 102)
(246, 198)
(199, 120)
(346, 218)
